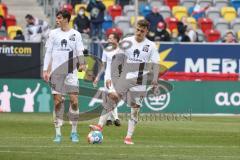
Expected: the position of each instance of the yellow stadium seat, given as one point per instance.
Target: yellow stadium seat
(132, 20)
(12, 30)
(228, 13)
(1, 11)
(192, 21)
(71, 20)
(179, 12)
(108, 3)
(78, 6)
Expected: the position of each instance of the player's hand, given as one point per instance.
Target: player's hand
(46, 76)
(82, 67)
(108, 83)
(95, 82)
(155, 86)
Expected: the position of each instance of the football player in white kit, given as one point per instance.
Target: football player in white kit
(109, 91)
(139, 59)
(63, 51)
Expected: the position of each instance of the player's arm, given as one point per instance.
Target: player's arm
(18, 96)
(48, 58)
(36, 89)
(155, 59)
(102, 70)
(79, 52)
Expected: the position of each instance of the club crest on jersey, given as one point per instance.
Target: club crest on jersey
(145, 48)
(136, 53)
(72, 37)
(63, 43)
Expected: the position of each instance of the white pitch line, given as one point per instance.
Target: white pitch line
(121, 146)
(135, 155)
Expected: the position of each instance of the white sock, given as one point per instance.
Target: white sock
(131, 128)
(115, 113)
(74, 127)
(58, 131)
(103, 118)
(110, 117)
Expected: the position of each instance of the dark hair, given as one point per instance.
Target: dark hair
(65, 14)
(19, 32)
(116, 36)
(143, 23)
(29, 16)
(82, 8)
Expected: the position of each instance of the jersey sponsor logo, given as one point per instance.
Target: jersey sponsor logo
(146, 48)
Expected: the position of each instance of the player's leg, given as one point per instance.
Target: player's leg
(74, 116)
(58, 115)
(108, 105)
(132, 122)
(135, 101)
(115, 117)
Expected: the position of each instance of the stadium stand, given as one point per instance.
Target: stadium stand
(129, 10)
(12, 30)
(3, 10)
(235, 25)
(235, 4)
(144, 9)
(10, 20)
(188, 3)
(221, 3)
(156, 3)
(171, 3)
(205, 3)
(213, 13)
(179, 12)
(212, 35)
(205, 24)
(228, 13)
(114, 11)
(171, 23)
(108, 3)
(165, 11)
(221, 24)
(192, 22)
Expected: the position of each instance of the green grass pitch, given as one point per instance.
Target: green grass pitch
(29, 137)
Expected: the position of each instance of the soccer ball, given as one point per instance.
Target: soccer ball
(95, 137)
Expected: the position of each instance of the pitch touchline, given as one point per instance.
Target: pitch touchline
(123, 146)
(101, 154)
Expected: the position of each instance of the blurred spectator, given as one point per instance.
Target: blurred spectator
(229, 38)
(182, 36)
(123, 3)
(96, 9)
(174, 35)
(19, 36)
(162, 33)
(153, 18)
(74, 2)
(198, 11)
(82, 23)
(2, 23)
(36, 29)
(192, 34)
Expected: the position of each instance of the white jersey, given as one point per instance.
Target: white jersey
(107, 58)
(62, 46)
(140, 53)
